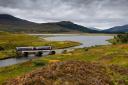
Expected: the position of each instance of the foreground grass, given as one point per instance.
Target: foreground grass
(66, 73)
(8, 43)
(15, 70)
(111, 56)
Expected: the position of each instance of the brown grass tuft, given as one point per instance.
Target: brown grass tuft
(65, 73)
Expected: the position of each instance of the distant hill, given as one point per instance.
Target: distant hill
(13, 24)
(117, 29)
(72, 26)
(94, 28)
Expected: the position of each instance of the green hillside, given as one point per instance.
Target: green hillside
(13, 24)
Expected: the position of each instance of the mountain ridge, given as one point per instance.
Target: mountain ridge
(117, 29)
(14, 24)
(11, 23)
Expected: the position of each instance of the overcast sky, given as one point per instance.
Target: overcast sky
(91, 13)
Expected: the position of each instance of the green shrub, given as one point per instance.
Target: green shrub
(38, 63)
(120, 39)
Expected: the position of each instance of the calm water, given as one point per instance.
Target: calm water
(86, 41)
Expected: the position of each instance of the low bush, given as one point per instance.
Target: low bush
(120, 39)
(38, 63)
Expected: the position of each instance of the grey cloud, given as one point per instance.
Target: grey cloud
(92, 13)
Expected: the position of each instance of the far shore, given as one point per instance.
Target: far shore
(61, 34)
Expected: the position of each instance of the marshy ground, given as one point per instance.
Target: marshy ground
(97, 65)
(111, 58)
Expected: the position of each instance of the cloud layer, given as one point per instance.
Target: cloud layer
(92, 13)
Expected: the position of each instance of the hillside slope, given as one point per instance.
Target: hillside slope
(117, 29)
(13, 24)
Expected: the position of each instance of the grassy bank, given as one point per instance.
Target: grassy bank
(113, 57)
(8, 43)
(109, 54)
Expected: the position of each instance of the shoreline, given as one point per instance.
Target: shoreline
(88, 34)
